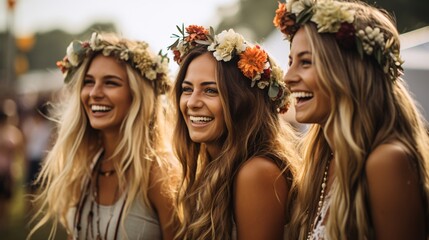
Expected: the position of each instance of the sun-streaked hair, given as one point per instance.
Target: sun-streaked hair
(367, 109)
(253, 128)
(68, 163)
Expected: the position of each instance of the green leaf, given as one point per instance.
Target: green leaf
(174, 45)
(359, 46)
(304, 16)
(211, 31)
(181, 30)
(273, 91)
(378, 56)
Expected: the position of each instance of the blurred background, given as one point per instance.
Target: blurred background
(34, 34)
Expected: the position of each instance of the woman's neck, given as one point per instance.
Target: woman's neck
(110, 143)
(213, 150)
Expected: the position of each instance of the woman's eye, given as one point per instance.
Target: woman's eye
(112, 83)
(306, 62)
(88, 81)
(212, 90)
(186, 89)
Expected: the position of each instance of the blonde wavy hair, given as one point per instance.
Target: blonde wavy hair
(367, 109)
(68, 163)
(204, 202)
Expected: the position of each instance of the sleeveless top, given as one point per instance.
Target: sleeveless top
(141, 222)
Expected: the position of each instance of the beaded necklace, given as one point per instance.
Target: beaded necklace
(321, 201)
(93, 198)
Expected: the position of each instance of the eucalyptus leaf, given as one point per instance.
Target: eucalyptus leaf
(273, 91)
(378, 56)
(305, 15)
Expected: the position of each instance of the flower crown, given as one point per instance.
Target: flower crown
(339, 18)
(154, 68)
(253, 61)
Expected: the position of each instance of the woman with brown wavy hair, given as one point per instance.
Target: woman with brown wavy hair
(235, 151)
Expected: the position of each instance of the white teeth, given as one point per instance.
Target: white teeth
(200, 119)
(301, 94)
(99, 108)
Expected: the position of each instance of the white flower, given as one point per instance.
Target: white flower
(162, 66)
(226, 44)
(124, 55)
(72, 55)
(328, 15)
(108, 50)
(150, 74)
(277, 74)
(297, 6)
(263, 84)
(95, 41)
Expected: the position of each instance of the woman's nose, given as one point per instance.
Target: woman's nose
(290, 77)
(194, 100)
(96, 91)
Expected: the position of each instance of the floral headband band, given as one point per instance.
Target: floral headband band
(154, 68)
(253, 61)
(339, 18)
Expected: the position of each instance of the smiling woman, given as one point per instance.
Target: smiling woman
(105, 177)
(237, 156)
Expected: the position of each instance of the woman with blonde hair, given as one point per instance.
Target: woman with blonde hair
(365, 156)
(106, 175)
(237, 155)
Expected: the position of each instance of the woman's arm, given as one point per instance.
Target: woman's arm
(395, 195)
(260, 195)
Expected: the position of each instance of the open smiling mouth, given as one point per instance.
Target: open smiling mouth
(195, 119)
(100, 108)
(301, 97)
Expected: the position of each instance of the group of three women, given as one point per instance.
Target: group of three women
(234, 170)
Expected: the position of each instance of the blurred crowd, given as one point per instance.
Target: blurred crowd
(25, 137)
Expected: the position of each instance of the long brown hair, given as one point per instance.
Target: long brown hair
(253, 128)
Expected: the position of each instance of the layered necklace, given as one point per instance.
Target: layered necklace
(321, 201)
(94, 197)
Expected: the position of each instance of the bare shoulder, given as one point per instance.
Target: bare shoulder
(260, 194)
(395, 198)
(256, 170)
(389, 158)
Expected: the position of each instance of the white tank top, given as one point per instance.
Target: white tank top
(141, 222)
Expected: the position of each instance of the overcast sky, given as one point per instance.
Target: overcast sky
(151, 20)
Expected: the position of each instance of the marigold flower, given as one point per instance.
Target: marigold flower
(196, 33)
(252, 61)
(280, 12)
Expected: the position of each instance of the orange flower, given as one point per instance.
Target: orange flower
(280, 12)
(196, 32)
(177, 56)
(285, 21)
(252, 61)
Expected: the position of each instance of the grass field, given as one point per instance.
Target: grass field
(16, 212)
